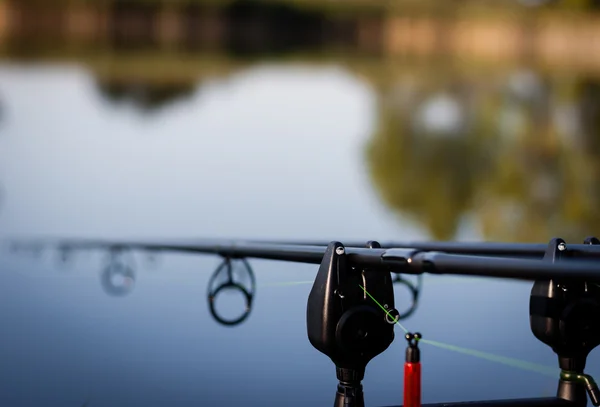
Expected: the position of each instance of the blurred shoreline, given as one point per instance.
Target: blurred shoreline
(549, 38)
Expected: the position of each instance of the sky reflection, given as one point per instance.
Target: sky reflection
(221, 163)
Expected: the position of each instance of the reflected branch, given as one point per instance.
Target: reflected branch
(147, 97)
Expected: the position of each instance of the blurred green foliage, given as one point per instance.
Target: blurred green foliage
(523, 162)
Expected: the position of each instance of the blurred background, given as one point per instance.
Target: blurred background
(296, 119)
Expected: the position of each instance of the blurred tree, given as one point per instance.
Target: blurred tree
(547, 184)
(133, 24)
(272, 28)
(579, 4)
(512, 166)
(427, 170)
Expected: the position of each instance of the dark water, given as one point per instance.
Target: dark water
(272, 151)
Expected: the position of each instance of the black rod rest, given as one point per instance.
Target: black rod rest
(344, 323)
(564, 315)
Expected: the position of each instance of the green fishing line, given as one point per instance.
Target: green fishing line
(384, 310)
(517, 363)
(505, 360)
(520, 364)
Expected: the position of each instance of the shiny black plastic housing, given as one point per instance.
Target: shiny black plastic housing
(342, 319)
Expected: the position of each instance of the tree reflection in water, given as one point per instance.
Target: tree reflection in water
(517, 152)
(147, 97)
(425, 156)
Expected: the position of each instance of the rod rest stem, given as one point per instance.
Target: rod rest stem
(572, 363)
(349, 395)
(349, 376)
(349, 390)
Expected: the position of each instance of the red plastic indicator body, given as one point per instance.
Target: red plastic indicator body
(412, 384)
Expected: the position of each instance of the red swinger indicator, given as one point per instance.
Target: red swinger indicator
(412, 372)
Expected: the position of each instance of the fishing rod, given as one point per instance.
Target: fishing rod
(524, 250)
(401, 260)
(514, 250)
(351, 314)
(118, 278)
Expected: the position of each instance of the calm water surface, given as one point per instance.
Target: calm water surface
(270, 152)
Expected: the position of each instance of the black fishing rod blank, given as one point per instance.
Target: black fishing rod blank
(394, 260)
(498, 249)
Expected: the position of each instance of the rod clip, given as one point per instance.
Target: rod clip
(412, 371)
(413, 354)
(586, 380)
(563, 315)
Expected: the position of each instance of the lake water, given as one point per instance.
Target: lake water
(271, 151)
